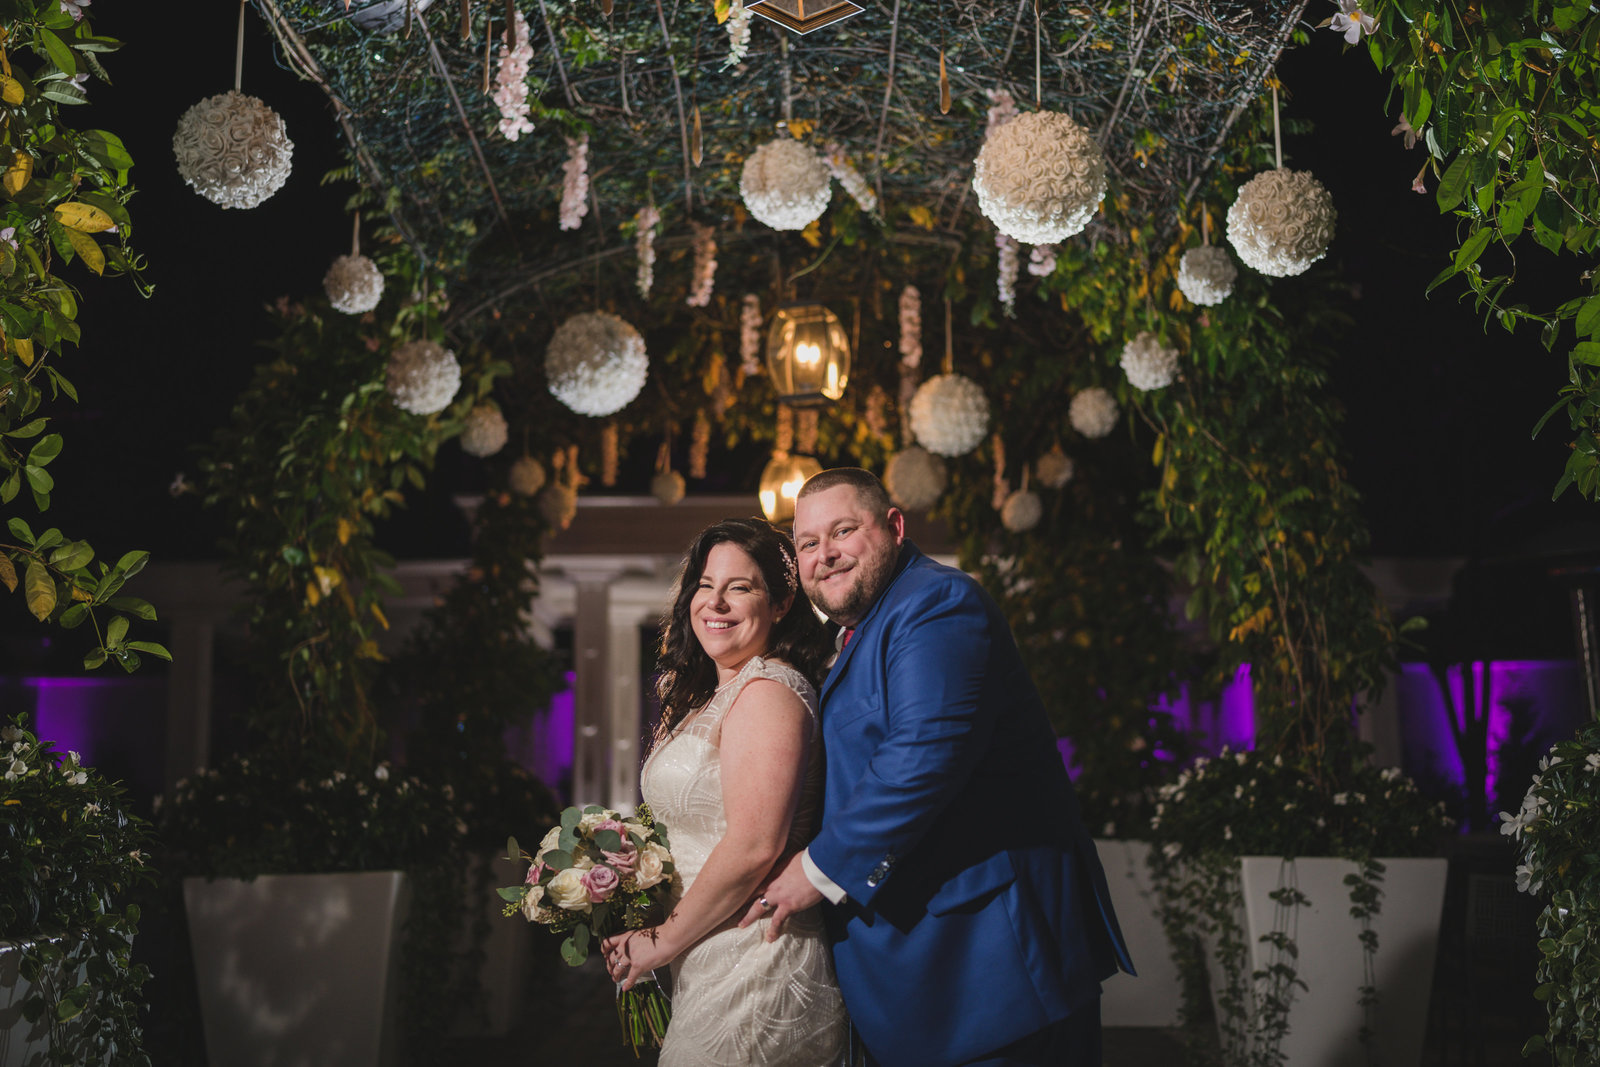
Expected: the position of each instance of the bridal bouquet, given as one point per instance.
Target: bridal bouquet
(595, 875)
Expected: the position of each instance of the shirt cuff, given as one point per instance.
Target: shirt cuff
(824, 885)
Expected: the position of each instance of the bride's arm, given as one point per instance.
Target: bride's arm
(765, 737)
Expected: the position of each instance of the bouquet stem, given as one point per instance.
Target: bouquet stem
(644, 1013)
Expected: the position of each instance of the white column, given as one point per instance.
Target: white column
(591, 636)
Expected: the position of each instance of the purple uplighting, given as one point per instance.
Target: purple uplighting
(545, 744)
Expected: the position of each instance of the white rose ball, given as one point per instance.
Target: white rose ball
(949, 415)
(596, 363)
(354, 285)
(567, 891)
(1148, 363)
(1054, 469)
(559, 506)
(1206, 275)
(233, 149)
(423, 377)
(484, 432)
(1022, 511)
(1281, 222)
(668, 487)
(1039, 178)
(1093, 412)
(915, 478)
(785, 184)
(526, 476)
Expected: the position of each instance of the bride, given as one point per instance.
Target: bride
(735, 776)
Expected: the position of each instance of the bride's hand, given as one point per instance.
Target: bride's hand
(631, 956)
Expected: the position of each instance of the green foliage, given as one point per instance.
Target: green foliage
(70, 856)
(316, 453)
(1558, 837)
(1506, 100)
(62, 192)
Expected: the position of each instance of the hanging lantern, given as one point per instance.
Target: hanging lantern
(780, 484)
(808, 355)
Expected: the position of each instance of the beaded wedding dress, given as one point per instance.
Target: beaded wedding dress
(736, 999)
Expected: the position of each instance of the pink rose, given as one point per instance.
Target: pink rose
(624, 861)
(614, 826)
(535, 872)
(601, 881)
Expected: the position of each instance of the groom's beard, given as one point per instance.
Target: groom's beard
(871, 576)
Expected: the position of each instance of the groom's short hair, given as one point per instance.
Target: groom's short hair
(868, 489)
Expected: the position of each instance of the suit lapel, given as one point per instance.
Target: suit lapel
(908, 555)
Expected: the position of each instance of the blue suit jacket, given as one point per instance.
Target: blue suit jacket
(978, 912)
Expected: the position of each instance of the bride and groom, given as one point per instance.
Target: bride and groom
(964, 916)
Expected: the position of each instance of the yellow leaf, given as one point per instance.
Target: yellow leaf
(922, 217)
(800, 127)
(813, 234)
(344, 531)
(23, 347)
(379, 615)
(87, 249)
(17, 174)
(8, 573)
(10, 89)
(40, 590)
(9, 803)
(722, 9)
(1161, 446)
(80, 593)
(313, 594)
(368, 650)
(85, 217)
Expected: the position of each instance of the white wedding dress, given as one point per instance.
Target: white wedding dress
(737, 1000)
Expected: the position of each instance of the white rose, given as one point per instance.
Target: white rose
(567, 890)
(592, 819)
(551, 842)
(651, 860)
(638, 828)
(531, 902)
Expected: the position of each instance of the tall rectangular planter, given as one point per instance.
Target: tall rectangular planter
(21, 1044)
(1325, 1019)
(1151, 999)
(298, 969)
(507, 955)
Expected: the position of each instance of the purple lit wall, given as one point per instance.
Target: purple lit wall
(117, 725)
(544, 745)
(1532, 705)
(1229, 720)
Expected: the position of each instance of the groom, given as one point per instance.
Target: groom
(971, 920)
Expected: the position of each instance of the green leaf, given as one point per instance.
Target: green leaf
(39, 589)
(19, 529)
(38, 478)
(1557, 406)
(116, 631)
(1472, 248)
(575, 949)
(151, 648)
(513, 852)
(558, 859)
(512, 893)
(94, 660)
(107, 148)
(74, 616)
(132, 563)
(10, 487)
(134, 606)
(1453, 187)
(128, 660)
(72, 556)
(28, 429)
(1588, 318)
(48, 448)
(59, 53)
(1587, 352)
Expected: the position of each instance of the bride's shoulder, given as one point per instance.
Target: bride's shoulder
(784, 674)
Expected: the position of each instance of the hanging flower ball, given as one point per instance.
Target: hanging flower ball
(559, 505)
(354, 285)
(1148, 363)
(915, 478)
(667, 487)
(1054, 469)
(484, 433)
(1040, 177)
(1206, 274)
(785, 184)
(423, 377)
(526, 476)
(949, 415)
(233, 149)
(1281, 222)
(1022, 511)
(596, 363)
(1093, 412)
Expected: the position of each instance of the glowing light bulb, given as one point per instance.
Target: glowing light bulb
(832, 390)
(769, 503)
(791, 489)
(807, 355)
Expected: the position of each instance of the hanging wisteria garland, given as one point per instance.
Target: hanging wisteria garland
(750, 335)
(849, 177)
(575, 183)
(1042, 260)
(738, 27)
(705, 266)
(645, 222)
(511, 81)
(1006, 273)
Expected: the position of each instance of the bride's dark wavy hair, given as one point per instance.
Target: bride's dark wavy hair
(688, 676)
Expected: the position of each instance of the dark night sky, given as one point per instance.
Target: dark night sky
(1439, 412)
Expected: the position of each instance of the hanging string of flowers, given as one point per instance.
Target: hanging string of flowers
(705, 266)
(1002, 109)
(849, 177)
(910, 349)
(1002, 488)
(738, 27)
(750, 335)
(511, 81)
(575, 183)
(1042, 260)
(1006, 279)
(699, 445)
(646, 219)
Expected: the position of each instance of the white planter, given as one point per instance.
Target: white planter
(506, 954)
(21, 1044)
(1153, 997)
(1325, 1020)
(298, 970)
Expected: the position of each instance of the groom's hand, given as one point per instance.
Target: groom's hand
(788, 892)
